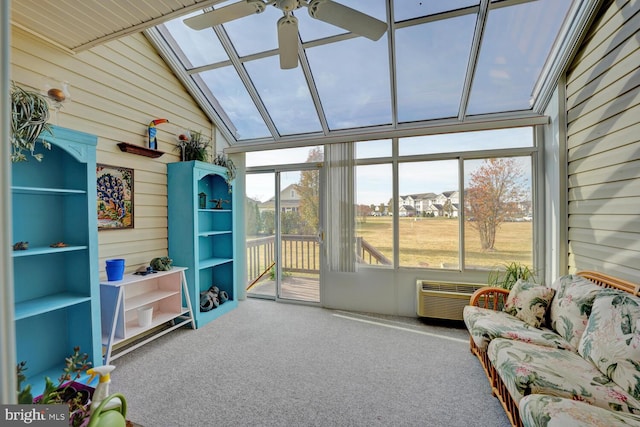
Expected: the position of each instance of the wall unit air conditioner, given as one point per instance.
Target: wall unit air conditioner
(443, 300)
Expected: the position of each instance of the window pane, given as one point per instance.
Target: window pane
(431, 66)
(194, 48)
(260, 229)
(467, 141)
(285, 156)
(373, 149)
(352, 77)
(498, 209)
(286, 95)
(313, 29)
(374, 225)
(515, 46)
(428, 210)
(226, 86)
(263, 34)
(404, 9)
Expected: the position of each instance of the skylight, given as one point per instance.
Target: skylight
(438, 61)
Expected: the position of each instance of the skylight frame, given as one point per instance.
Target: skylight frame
(463, 121)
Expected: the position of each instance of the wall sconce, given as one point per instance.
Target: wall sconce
(57, 93)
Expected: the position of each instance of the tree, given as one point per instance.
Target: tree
(492, 196)
(268, 222)
(448, 208)
(252, 220)
(309, 190)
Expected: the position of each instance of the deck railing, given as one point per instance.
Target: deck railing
(368, 254)
(300, 254)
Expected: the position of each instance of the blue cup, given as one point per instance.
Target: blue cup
(115, 269)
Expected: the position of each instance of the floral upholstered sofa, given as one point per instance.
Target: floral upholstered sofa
(563, 355)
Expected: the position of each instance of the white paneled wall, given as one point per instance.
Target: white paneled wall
(603, 114)
(116, 90)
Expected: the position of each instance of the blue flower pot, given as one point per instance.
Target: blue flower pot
(115, 269)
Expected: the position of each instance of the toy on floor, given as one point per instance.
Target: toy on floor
(106, 410)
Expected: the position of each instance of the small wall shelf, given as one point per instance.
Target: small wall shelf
(141, 151)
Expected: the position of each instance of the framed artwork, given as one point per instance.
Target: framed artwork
(114, 185)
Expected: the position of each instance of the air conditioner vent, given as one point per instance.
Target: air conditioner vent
(464, 288)
(443, 300)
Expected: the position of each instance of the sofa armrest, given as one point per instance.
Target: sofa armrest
(489, 297)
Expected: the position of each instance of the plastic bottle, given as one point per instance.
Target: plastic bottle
(102, 389)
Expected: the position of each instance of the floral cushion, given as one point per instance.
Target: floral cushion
(539, 410)
(485, 324)
(529, 369)
(612, 338)
(571, 306)
(529, 302)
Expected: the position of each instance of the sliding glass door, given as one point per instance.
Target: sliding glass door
(284, 234)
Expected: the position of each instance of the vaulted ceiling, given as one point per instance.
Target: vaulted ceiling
(440, 63)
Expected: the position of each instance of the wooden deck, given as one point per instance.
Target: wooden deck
(293, 288)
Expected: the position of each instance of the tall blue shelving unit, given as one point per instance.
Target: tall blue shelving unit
(202, 239)
(56, 289)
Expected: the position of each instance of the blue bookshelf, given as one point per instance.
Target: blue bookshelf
(202, 239)
(56, 291)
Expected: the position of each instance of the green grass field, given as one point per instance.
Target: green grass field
(432, 242)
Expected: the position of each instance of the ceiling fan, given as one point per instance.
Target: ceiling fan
(324, 10)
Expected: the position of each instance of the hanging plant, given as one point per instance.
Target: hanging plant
(221, 159)
(29, 116)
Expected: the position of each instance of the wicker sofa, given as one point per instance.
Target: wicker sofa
(566, 355)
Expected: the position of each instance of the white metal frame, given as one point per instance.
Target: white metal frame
(8, 382)
(566, 42)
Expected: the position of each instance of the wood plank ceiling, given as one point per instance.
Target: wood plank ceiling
(77, 25)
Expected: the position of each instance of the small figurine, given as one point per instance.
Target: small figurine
(219, 202)
(153, 142)
(58, 245)
(161, 263)
(144, 270)
(21, 246)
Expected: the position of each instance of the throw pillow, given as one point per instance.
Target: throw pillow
(571, 306)
(529, 302)
(611, 340)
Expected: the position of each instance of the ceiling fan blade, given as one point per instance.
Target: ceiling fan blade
(288, 41)
(225, 14)
(347, 18)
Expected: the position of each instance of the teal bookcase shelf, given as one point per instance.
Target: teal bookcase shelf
(56, 289)
(202, 239)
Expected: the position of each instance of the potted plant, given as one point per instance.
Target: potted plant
(221, 159)
(29, 116)
(193, 145)
(506, 275)
(65, 391)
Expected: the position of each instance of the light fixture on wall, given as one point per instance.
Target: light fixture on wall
(57, 92)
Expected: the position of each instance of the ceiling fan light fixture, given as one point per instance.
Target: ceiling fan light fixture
(287, 5)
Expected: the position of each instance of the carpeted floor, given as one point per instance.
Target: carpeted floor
(275, 364)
